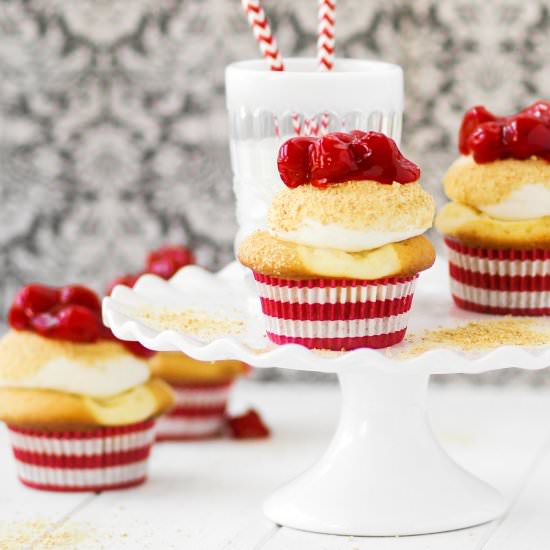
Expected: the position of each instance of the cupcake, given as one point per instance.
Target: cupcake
(202, 390)
(337, 267)
(79, 406)
(497, 227)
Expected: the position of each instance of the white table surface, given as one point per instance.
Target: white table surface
(207, 496)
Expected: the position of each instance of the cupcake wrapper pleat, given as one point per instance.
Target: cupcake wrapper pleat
(336, 314)
(199, 413)
(501, 282)
(97, 460)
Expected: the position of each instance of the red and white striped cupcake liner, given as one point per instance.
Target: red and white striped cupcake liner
(97, 460)
(199, 413)
(336, 314)
(501, 282)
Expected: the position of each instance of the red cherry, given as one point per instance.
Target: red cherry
(248, 426)
(486, 142)
(80, 295)
(73, 322)
(167, 260)
(44, 323)
(382, 161)
(526, 136)
(472, 119)
(129, 280)
(17, 318)
(540, 109)
(33, 299)
(331, 159)
(293, 161)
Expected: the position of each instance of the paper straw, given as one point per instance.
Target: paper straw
(325, 49)
(325, 38)
(262, 32)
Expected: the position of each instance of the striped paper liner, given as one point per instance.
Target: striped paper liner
(100, 459)
(501, 282)
(199, 413)
(336, 314)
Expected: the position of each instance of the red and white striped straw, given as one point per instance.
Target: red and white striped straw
(325, 38)
(325, 48)
(262, 32)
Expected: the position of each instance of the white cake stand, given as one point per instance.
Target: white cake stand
(384, 473)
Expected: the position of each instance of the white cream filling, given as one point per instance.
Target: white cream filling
(315, 234)
(106, 379)
(532, 200)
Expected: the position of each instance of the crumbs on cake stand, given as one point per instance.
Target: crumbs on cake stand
(205, 325)
(477, 336)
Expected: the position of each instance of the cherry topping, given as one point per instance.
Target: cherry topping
(167, 260)
(34, 299)
(80, 295)
(340, 157)
(70, 313)
(472, 119)
(130, 279)
(248, 426)
(74, 323)
(293, 161)
(520, 136)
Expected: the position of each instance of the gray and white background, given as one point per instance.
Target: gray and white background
(113, 132)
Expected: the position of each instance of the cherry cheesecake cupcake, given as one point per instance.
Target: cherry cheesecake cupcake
(201, 388)
(202, 391)
(80, 407)
(497, 227)
(337, 267)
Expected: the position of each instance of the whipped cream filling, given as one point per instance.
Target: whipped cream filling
(105, 379)
(318, 235)
(529, 201)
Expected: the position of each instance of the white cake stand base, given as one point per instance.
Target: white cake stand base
(384, 473)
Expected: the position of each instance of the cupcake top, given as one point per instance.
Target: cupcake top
(59, 363)
(505, 168)
(352, 208)
(98, 370)
(349, 192)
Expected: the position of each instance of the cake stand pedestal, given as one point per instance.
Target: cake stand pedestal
(384, 473)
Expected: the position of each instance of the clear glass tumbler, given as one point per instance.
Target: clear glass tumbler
(268, 107)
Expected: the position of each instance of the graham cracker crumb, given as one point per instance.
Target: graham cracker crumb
(481, 335)
(24, 353)
(356, 205)
(483, 184)
(199, 323)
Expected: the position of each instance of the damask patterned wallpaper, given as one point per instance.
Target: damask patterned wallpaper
(113, 127)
